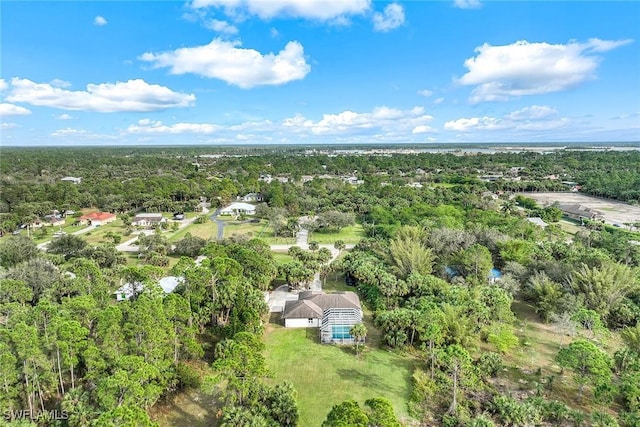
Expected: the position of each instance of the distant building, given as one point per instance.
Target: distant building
(72, 179)
(128, 290)
(578, 211)
(148, 219)
(97, 218)
(239, 208)
(537, 221)
(252, 197)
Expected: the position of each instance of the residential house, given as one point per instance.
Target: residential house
(251, 197)
(72, 179)
(148, 219)
(239, 208)
(578, 211)
(537, 221)
(54, 221)
(97, 218)
(334, 313)
(128, 290)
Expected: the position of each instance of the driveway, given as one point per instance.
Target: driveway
(220, 223)
(279, 297)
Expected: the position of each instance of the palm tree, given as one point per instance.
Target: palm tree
(359, 333)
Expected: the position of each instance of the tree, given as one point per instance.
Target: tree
(339, 245)
(380, 413)
(358, 332)
(17, 249)
(281, 403)
(407, 255)
(346, 414)
(589, 364)
(475, 261)
(189, 246)
(313, 246)
(605, 287)
(67, 245)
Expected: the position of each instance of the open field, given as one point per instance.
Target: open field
(351, 234)
(325, 375)
(254, 230)
(613, 212)
(208, 230)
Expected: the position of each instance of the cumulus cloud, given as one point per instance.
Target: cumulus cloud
(500, 73)
(5, 125)
(13, 110)
(533, 118)
(221, 27)
(80, 134)
(425, 92)
(320, 10)
(382, 123)
(382, 119)
(157, 127)
(100, 21)
(534, 112)
(3, 85)
(132, 95)
(64, 116)
(467, 4)
(227, 61)
(392, 17)
(438, 100)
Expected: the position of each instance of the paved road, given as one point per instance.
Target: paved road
(220, 223)
(43, 246)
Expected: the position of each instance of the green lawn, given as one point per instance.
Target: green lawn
(254, 230)
(97, 235)
(351, 234)
(570, 226)
(282, 257)
(325, 375)
(208, 230)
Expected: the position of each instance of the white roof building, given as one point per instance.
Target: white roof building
(128, 290)
(239, 208)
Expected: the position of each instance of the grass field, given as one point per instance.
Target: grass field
(570, 226)
(97, 235)
(208, 230)
(351, 234)
(325, 375)
(255, 230)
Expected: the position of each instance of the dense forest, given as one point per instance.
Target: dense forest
(424, 267)
(120, 180)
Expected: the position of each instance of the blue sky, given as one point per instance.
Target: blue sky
(318, 71)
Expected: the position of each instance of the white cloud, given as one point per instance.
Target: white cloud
(65, 116)
(522, 68)
(391, 18)
(425, 92)
(422, 129)
(80, 134)
(467, 4)
(5, 125)
(221, 27)
(381, 124)
(482, 123)
(60, 83)
(383, 119)
(320, 10)
(3, 85)
(226, 61)
(529, 119)
(147, 126)
(133, 95)
(535, 112)
(438, 100)
(100, 21)
(274, 33)
(13, 110)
